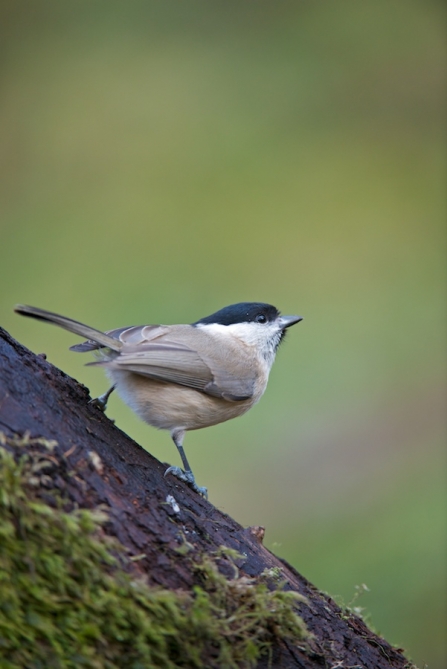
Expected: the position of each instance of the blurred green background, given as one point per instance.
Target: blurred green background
(160, 160)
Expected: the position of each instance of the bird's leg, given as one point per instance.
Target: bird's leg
(101, 401)
(186, 474)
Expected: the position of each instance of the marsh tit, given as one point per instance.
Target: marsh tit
(185, 377)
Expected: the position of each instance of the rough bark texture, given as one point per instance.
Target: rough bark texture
(39, 398)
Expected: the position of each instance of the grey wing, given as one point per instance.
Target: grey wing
(134, 334)
(175, 362)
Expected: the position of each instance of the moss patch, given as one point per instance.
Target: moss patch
(68, 598)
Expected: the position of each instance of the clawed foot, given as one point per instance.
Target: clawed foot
(99, 403)
(188, 477)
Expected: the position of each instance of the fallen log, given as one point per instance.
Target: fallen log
(153, 535)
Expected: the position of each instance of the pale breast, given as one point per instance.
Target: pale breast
(168, 406)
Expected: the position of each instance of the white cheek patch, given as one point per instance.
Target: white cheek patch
(254, 334)
(265, 337)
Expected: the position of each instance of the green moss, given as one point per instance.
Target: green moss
(68, 598)
(352, 607)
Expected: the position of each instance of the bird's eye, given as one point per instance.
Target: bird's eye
(260, 318)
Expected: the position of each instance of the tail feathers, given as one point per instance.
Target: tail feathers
(72, 326)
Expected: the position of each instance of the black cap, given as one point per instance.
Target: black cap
(242, 312)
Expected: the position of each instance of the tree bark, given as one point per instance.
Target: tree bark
(114, 471)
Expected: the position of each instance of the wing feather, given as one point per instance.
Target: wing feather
(131, 335)
(171, 356)
(167, 362)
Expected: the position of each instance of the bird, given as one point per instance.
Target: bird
(189, 376)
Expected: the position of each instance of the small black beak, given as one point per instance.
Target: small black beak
(287, 321)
